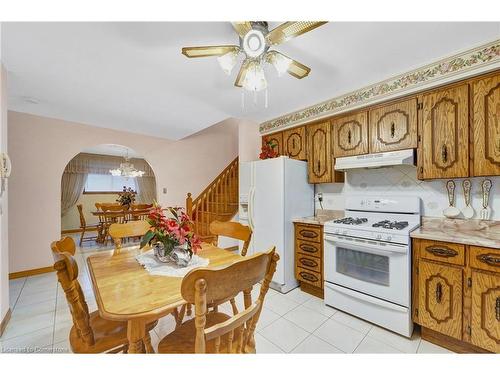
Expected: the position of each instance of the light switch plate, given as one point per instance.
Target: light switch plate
(164, 190)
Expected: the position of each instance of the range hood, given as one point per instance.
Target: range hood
(383, 159)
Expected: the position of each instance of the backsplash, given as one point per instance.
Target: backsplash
(402, 180)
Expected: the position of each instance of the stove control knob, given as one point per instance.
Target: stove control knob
(379, 237)
(388, 238)
(337, 231)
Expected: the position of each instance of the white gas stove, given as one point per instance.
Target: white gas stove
(368, 260)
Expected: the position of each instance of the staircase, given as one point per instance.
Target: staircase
(219, 201)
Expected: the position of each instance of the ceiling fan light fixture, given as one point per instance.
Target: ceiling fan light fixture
(281, 63)
(254, 43)
(255, 80)
(228, 61)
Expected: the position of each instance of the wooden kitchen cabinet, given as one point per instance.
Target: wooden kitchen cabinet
(294, 143)
(393, 126)
(277, 139)
(485, 126)
(350, 135)
(445, 133)
(319, 158)
(440, 299)
(309, 258)
(456, 295)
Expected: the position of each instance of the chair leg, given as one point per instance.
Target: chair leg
(147, 344)
(81, 237)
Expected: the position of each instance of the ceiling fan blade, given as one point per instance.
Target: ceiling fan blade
(289, 30)
(293, 67)
(242, 73)
(207, 51)
(242, 27)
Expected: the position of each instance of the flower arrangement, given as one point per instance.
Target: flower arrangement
(126, 197)
(268, 150)
(172, 231)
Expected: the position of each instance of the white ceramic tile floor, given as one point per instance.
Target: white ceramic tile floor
(295, 322)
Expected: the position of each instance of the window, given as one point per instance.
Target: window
(99, 183)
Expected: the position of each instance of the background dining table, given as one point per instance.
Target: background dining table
(125, 291)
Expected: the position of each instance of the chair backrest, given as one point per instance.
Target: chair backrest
(203, 286)
(112, 207)
(233, 230)
(130, 229)
(83, 223)
(141, 206)
(67, 274)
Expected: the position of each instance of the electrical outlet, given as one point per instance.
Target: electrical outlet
(164, 190)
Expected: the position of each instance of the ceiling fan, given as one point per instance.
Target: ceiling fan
(255, 44)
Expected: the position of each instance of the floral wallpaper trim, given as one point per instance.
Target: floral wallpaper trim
(471, 59)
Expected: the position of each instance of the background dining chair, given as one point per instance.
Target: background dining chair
(84, 227)
(233, 230)
(119, 232)
(90, 333)
(216, 332)
(112, 213)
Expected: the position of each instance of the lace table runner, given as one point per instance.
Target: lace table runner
(157, 268)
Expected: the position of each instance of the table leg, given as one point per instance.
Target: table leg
(136, 331)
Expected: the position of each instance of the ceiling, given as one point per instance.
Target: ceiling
(113, 150)
(132, 76)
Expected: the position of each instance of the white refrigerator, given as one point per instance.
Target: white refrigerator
(272, 193)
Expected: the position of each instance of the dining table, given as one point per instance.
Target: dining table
(126, 292)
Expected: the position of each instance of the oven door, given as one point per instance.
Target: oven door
(379, 269)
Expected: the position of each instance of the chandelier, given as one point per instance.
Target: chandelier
(126, 169)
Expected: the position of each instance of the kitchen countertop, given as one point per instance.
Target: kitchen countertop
(321, 217)
(468, 232)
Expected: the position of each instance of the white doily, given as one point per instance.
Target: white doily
(157, 268)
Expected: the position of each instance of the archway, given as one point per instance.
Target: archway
(98, 176)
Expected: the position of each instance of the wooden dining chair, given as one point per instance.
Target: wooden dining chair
(84, 227)
(90, 333)
(112, 213)
(233, 230)
(119, 232)
(216, 332)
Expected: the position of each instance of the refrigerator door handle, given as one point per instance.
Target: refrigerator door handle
(250, 208)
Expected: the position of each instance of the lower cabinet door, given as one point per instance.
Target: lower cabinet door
(485, 325)
(440, 298)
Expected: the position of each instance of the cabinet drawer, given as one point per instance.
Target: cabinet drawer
(485, 258)
(308, 248)
(309, 277)
(445, 252)
(308, 233)
(308, 262)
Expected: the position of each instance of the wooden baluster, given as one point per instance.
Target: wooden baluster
(230, 337)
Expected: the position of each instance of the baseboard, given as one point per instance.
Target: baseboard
(77, 230)
(449, 343)
(36, 271)
(5, 321)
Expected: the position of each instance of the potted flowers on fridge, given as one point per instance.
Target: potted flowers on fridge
(268, 150)
(171, 235)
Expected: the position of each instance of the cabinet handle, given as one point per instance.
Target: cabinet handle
(308, 249)
(308, 234)
(393, 130)
(349, 137)
(293, 143)
(318, 164)
(308, 262)
(497, 309)
(442, 252)
(498, 145)
(444, 154)
(439, 292)
(489, 259)
(308, 276)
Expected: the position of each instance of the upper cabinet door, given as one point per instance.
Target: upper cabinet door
(394, 127)
(277, 139)
(445, 133)
(294, 143)
(350, 135)
(486, 126)
(320, 155)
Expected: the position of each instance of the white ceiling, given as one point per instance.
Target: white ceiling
(113, 150)
(132, 76)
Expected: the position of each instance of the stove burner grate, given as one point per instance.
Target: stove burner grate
(387, 224)
(351, 220)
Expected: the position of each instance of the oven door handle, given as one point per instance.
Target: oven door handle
(365, 245)
(366, 298)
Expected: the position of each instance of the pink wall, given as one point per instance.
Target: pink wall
(4, 245)
(249, 140)
(41, 147)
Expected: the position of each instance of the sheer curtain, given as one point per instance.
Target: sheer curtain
(146, 187)
(72, 185)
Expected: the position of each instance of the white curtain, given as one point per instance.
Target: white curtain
(72, 185)
(146, 187)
